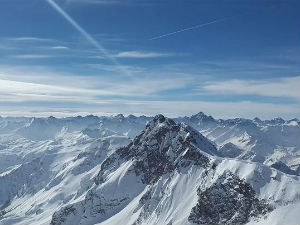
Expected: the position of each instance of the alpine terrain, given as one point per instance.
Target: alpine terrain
(149, 170)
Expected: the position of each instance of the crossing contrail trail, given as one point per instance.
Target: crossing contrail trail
(189, 28)
(87, 36)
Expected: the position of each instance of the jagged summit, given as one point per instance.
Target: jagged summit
(159, 121)
(257, 121)
(169, 172)
(51, 118)
(162, 130)
(148, 170)
(120, 116)
(161, 147)
(131, 117)
(277, 120)
(203, 117)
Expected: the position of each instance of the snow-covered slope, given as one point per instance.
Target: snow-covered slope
(41, 173)
(24, 138)
(91, 170)
(267, 141)
(170, 174)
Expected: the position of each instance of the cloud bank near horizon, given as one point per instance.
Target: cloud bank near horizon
(61, 57)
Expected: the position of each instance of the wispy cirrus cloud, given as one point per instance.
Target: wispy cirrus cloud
(31, 39)
(32, 56)
(60, 47)
(112, 68)
(281, 87)
(39, 93)
(22, 84)
(86, 35)
(32, 91)
(141, 54)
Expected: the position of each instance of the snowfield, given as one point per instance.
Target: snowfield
(149, 170)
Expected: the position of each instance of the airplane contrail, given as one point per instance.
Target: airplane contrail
(189, 28)
(87, 36)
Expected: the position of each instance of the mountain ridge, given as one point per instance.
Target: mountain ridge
(97, 173)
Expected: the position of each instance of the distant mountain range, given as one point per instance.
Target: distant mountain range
(149, 170)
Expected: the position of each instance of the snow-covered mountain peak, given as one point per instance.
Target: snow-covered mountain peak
(278, 120)
(119, 117)
(160, 148)
(163, 132)
(160, 119)
(202, 117)
(90, 170)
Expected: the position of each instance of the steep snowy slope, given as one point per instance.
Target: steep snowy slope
(21, 139)
(60, 171)
(129, 126)
(85, 170)
(37, 129)
(170, 174)
(267, 141)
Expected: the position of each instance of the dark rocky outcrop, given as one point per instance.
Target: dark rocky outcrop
(162, 147)
(284, 168)
(229, 200)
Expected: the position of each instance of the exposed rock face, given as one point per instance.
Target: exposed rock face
(230, 150)
(91, 170)
(298, 171)
(229, 200)
(59, 217)
(150, 166)
(160, 148)
(284, 168)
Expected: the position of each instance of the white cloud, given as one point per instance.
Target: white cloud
(41, 91)
(138, 54)
(41, 84)
(245, 109)
(113, 68)
(283, 87)
(31, 39)
(19, 91)
(33, 56)
(60, 47)
(168, 108)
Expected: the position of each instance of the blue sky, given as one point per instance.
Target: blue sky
(226, 58)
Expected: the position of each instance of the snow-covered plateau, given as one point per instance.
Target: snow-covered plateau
(149, 170)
